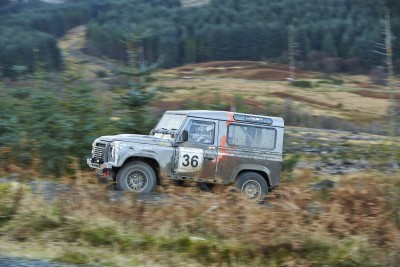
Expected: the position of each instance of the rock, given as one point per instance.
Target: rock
(362, 164)
(393, 166)
(348, 162)
(330, 163)
(336, 171)
(14, 175)
(324, 185)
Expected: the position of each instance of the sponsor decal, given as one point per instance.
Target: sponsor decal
(239, 117)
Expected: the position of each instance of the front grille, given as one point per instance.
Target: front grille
(99, 151)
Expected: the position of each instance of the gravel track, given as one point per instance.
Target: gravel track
(22, 262)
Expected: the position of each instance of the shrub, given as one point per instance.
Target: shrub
(98, 236)
(101, 74)
(289, 163)
(302, 84)
(6, 206)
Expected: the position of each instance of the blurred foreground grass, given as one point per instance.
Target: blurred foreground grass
(354, 224)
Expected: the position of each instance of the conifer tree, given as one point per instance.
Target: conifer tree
(139, 92)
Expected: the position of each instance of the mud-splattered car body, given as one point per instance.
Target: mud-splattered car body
(215, 147)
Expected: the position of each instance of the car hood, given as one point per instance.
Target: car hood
(135, 138)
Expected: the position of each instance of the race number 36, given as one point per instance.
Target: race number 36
(193, 161)
(190, 159)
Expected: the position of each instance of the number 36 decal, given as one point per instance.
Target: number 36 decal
(190, 159)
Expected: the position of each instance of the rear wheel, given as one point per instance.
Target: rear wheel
(136, 176)
(252, 185)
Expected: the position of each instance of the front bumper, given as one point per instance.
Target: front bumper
(95, 165)
(104, 172)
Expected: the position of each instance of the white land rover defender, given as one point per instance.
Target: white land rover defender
(214, 147)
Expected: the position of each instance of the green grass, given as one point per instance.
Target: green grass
(73, 257)
(302, 84)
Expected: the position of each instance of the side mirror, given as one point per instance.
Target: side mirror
(185, 135)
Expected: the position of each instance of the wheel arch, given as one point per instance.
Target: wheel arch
(263, 171)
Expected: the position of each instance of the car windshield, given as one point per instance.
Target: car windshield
(168, 125)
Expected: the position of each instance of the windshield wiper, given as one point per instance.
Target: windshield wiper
(166, 131)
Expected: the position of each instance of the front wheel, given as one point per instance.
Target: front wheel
(252, 185)
(136, 176)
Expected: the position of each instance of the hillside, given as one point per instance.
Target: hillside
(263, 86)
(338, 202)
(340, 40)
(255, 87)
(186, 32)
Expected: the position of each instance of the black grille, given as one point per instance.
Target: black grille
(99, 151)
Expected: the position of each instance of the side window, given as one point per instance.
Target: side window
(201, 131)
(249, 136)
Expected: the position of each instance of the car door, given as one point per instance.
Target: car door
(197, 157)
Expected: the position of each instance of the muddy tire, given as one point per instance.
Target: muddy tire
(136, 176)
(252, 185)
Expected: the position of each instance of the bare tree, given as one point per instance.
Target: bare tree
(385, 49)
(292, 52)
(389, 61)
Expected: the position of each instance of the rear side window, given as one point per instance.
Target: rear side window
(249, 136)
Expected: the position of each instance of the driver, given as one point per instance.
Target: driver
(207, 136)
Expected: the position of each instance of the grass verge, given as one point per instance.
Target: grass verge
(352, 225)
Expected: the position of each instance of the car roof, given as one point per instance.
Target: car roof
(231, 116)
